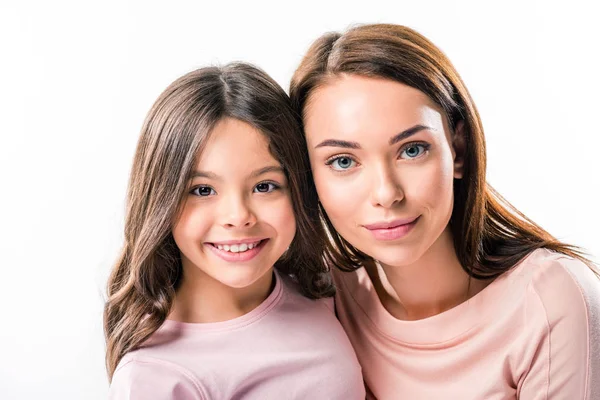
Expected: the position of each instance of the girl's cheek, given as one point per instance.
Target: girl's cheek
(193, 220)
(279, 213)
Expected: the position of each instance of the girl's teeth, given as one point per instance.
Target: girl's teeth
(235, 248)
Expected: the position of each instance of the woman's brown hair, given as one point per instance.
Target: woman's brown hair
(490, 235)
(144, 280)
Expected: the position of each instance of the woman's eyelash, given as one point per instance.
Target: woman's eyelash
(411, 144)
(330, 160)
(334, 163)
(426, 146)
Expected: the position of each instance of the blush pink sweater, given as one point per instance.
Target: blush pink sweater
(289, 347)
(533, 333)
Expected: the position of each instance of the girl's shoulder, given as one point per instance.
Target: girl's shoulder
(146, 377)
(293, 295)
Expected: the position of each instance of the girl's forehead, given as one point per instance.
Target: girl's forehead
(233, 148)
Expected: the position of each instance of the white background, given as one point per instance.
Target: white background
(77, 78)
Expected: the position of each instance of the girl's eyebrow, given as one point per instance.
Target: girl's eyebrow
(264, 170)
(253, 174)
(204, 174)
(354, 145)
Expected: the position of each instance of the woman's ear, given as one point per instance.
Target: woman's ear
(459, 147)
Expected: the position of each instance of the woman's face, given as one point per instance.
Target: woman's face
(383, 161)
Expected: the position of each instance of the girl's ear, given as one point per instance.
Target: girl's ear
(459, 146)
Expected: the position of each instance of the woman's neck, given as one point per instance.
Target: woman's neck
(433, 284)
(203, 299)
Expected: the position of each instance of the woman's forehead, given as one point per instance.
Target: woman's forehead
(367, 108)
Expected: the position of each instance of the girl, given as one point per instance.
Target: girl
(204, 302)
(449, 292)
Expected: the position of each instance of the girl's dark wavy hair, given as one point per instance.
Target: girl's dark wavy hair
(143, 281)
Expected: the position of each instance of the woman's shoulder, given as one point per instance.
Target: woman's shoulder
(563, 310)
(565, 286)
(144, 377)
(547, 267)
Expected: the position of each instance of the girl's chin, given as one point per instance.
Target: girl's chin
(242, 281)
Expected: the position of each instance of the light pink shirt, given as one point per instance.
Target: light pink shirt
(533, 333)
(289, 347)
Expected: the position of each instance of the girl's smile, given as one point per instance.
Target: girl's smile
(238, 251)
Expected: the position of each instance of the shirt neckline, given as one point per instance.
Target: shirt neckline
(247, 319)
(439, 329)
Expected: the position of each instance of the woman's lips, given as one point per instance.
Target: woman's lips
(391, 230)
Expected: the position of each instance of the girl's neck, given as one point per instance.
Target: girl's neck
(202, 299)
(433, 284)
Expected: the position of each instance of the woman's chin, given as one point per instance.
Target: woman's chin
(397, 260)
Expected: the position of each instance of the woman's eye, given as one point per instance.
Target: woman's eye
(203, 191)
(341, 163)
(413, 151)
(265, 187)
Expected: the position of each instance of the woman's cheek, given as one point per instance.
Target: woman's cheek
(342, 198)
(435, 188)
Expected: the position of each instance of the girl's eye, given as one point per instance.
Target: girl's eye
(341, 163)
(265, 187)
(203, 191)
(413, 151)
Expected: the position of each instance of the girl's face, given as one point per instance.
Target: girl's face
(383, 161)
(237, 219)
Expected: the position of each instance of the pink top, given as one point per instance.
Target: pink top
(533, 333)
(289, 347)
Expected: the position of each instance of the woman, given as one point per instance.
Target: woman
(448, 291)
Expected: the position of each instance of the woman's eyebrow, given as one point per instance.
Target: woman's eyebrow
(354, 145)
(409, 132)
(338, 143)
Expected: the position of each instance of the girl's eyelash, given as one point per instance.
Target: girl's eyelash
(193, 189)
(272, 182)
(275, 184)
